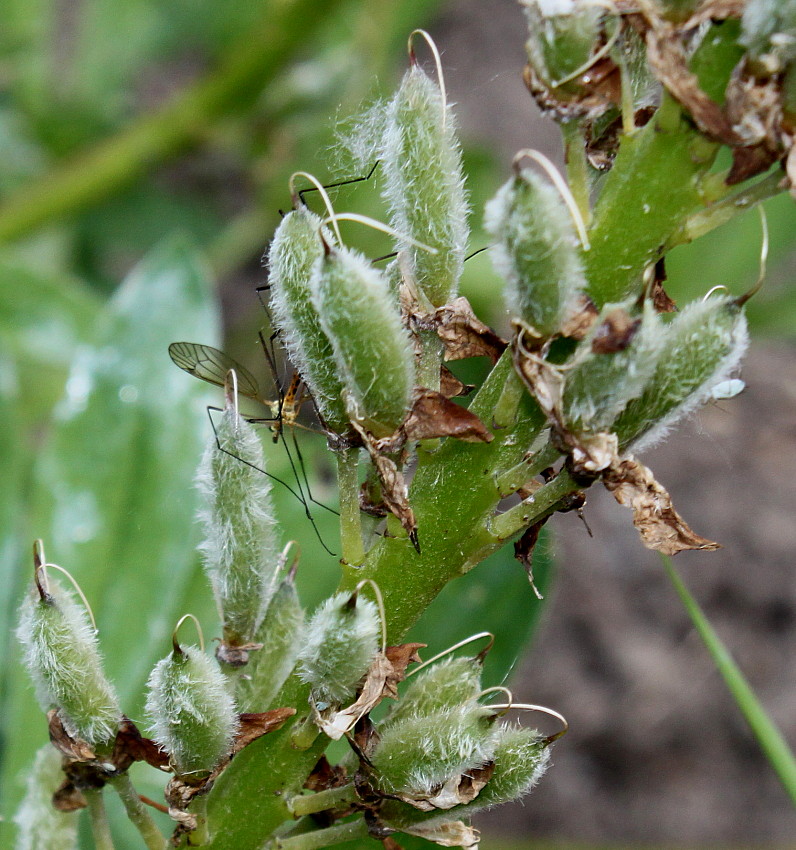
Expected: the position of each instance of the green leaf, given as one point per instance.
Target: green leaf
(114, 499)
(771, 740)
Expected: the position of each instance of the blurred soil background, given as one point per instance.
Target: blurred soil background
(657, 753)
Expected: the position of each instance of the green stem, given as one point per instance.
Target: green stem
(533, 509)
(201, 835)
(771, 741)
(350, 522)
(513, 479)
(322, 837)
(333, 798)
(726, 209)
(577, 168)
(505, 412)
(100, 828)
(97, 173)
(138, 813)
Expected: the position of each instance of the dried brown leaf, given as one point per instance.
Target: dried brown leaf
(464, 334)
(660, 526)
(130, 745)
(669, 61)
(325, 776)
(615, 332)
(523, 551)
(660, 298)
(381, 681)
(75, 749)
(434, 415)
(450, 386)
(448, 834)
(255, 725)
(543, 380)
(579, 320)
(67, 798)
(390, 843)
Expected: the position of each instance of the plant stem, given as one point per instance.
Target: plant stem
(350, 524)
(726, 209)
(511, 480)
(138, 813)
(201, 835)
(577, 168)
(333, 798)
(505, 412)
(533, 509)
(771, 741)
(430, 357)
(322, 837)
(100, 829)
(95, 174)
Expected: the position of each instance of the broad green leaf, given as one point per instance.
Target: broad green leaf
(114, 501)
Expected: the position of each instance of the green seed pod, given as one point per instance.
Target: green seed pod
(63, 659)
(701, 347)
(768, 30)
(537, 251)
(424, 184)
(521, 758)
(40, 825)
(294, 250)
(191, 712)
(563, 34)
(340, 641)
(611, 366)
(417, 754)
(279, 634)
(371, 348)
(448, 684)
(240, 547)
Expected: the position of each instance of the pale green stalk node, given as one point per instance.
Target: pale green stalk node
(40, 825)
(295, 248)
(372, 350)
(702, 346)
(191, 712)
(599, 385)
(424, 184)
(339, 643)
(280, 636)
(240, 548)
(536, 250)
(61, 653)
(417, 754)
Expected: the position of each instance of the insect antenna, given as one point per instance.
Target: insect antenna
(339, 183)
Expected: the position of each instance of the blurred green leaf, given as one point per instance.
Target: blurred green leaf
(114, 501)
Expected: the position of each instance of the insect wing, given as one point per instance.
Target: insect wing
(211, 365)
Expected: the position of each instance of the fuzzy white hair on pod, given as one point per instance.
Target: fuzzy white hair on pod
(240, 546)
(191, 712)
(339, 643)
(61, 654)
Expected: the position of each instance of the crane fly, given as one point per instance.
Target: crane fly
(212, 365)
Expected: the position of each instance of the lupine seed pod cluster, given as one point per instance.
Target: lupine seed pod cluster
(594, 378)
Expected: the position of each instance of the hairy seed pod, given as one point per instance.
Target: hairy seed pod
(562, 36)
(371, 347)
(190, 710)
(240, 546)
(61, 654)
(340, 641)
(701, 347)
(611, 366)
(40, 825)
(521, 757)
(424, 184)
(448, 684)
(279, 634)
(293, 252)
(417, 754)
(537, 251)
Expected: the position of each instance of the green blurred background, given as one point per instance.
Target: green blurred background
(151, 142)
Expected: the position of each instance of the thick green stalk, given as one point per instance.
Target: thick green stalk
(350, 525)
(338, 834)
(138, 813)
(100, 828)
(654, 184)
(93, 175)
(332, 798)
